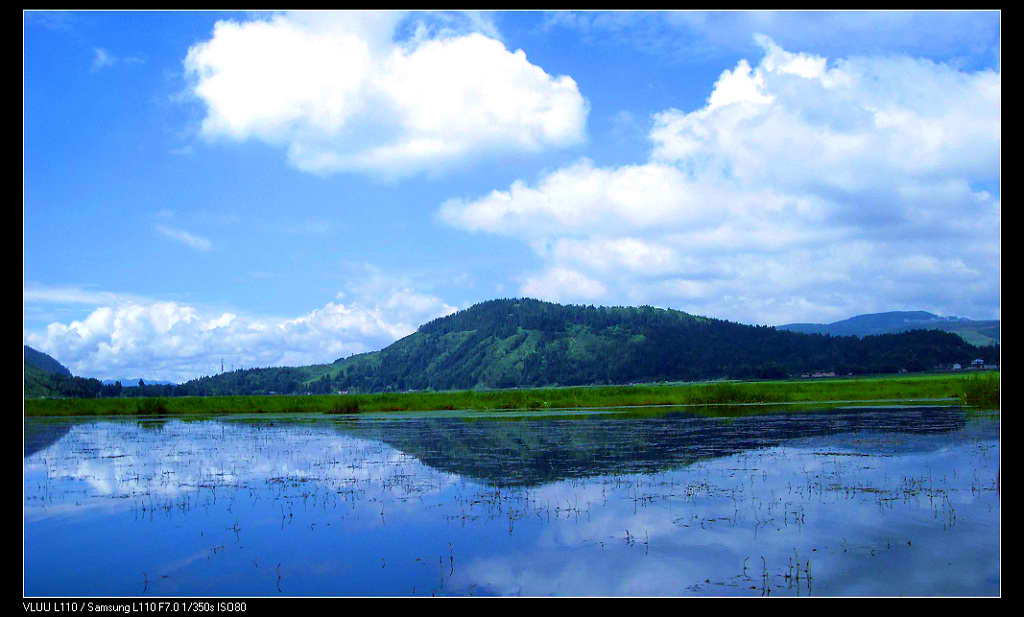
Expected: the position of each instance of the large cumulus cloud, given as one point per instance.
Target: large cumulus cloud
(803, 189)
(339, 93)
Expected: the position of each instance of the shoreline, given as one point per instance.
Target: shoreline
(967, 390)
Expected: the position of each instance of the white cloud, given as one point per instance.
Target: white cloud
(70, 295)
(127, 336)
(190, 240)
(340, 94)
(858, 126)
(632, 254)
(562, 284)
(102, 58)
(802, 190)
(582, 198)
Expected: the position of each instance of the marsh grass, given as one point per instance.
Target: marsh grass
(151, 406)
(973, 390)
(981, 389)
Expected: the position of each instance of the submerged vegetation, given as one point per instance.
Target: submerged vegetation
(979, 389)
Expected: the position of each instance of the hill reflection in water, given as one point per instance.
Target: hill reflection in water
(640, 502)
(525, 451)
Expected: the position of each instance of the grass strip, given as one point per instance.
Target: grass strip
(976, 389)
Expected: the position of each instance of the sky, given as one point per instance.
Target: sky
(282, 189)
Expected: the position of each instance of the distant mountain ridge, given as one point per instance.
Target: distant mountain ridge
(976, 332)
(522, 342)
(128, 383)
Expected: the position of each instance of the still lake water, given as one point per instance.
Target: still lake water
(741, 502)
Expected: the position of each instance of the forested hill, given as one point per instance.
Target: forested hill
(45, 376)
(44, 362)
(524, 342)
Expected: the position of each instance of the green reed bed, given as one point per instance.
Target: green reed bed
(982, 389)
(975, 389)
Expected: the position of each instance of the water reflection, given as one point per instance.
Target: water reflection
(521, 452)
(41, 434)
(884, 502)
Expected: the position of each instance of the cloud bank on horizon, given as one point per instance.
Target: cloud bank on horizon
(803, 188)
(124, 335)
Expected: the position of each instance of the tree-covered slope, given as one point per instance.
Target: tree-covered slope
(523, 342)
(44, 362)
(529, 343)
(44, 376)
(38, 382)
(274, 380)
(507, 343)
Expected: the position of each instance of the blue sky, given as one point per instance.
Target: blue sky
(284, 189)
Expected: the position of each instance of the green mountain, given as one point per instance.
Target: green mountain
(527, 343)
(44, 362)
(38, 382)
(973, 331)
(45, 376)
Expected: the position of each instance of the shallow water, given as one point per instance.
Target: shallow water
(675, 502)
